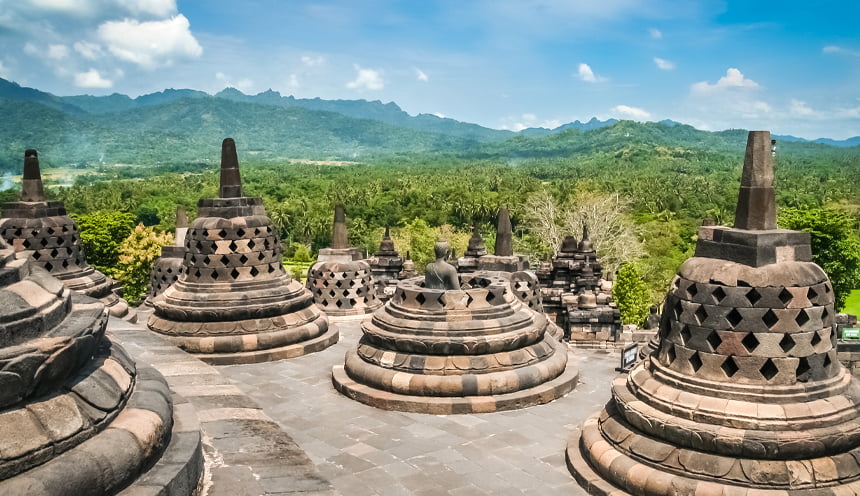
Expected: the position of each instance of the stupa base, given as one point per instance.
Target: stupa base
(151, 443)
(450, 405)
(294, 350)
(598, 465)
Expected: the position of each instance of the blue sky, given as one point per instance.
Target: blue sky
(790, 67)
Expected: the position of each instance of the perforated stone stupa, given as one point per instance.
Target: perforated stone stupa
(744, 394)
(166, 268)
(447, 351)
(385, 266)
(234, 302)
(342, 286)
(45, 230)
(77, 416)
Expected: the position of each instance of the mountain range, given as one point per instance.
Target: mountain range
(180, 126)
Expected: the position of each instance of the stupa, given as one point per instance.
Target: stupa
(77, 416)
(166, 268)
(342, 286)
(234, 302)
(408, 271)
(476, 249)
(503, 257)
(576, 295)
(745, 394)
(385, 266)
(44, 229)
(438, 348)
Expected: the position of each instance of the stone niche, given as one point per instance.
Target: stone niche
(744, 393)
(234, 302)
(77, 415)
(478, 349)
(44, 230)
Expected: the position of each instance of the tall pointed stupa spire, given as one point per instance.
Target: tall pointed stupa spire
(231, 182)
(32, 189)
(339, 239)
(504, 235)
(756, 208)
(181, 226)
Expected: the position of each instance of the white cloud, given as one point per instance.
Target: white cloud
(439, 115)
(630, 112)
(733, 79)
(528, 120)
(93, 8)
(58, 52)
(313, 61)
(799, 108)
(3, 69)
(30, 49)
(89, 51)
(92, 79)
(421, 75)
(366, 79)
(293, 81)
(655, 33)
(150, 44)
(244, 85)
(158, 8)
(586, 74)
(761, 106)
(664, 64)
(840, 50)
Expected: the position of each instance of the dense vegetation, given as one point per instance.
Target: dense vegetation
(653, 182)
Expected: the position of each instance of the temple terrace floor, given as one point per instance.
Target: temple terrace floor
(281, 428)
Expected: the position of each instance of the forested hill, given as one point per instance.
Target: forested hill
(184, 127)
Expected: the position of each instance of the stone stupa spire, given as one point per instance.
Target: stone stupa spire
(504, 235)
(756, 210)
(32, 189)
(181, 226)
(339, 238)
(231, 182)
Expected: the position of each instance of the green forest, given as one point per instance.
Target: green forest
(641, 201)
(642, 189)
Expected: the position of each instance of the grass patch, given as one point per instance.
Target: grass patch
(852, 304)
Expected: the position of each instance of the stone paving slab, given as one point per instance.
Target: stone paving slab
(366, 451)
(246, 452)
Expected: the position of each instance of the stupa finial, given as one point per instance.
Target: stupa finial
(504, 235)
(339, 239)
(32, 189)
(231, 182)
(756, 208)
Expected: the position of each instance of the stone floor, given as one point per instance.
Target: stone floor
(339, 446)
